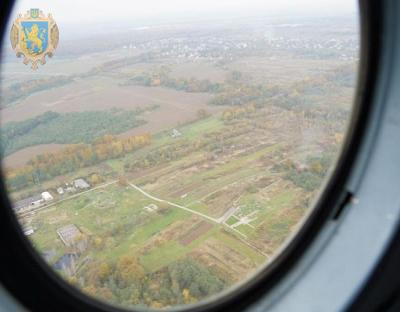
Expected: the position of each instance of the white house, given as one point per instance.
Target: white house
(60, 190)
(46, 196)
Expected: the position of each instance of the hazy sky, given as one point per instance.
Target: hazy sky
(88, 10)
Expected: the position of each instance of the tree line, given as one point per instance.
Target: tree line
(125, 282)
(310, 175)
(49, 165)
(20, 90)
(180, 84)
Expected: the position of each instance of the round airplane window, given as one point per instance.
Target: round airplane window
(160, 154)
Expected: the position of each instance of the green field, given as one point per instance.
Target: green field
(116, 216)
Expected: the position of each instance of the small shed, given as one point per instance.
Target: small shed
(81, 184)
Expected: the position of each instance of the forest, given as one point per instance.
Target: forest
(67, 128)
(311, 175)
(161, 78)
(125, 282)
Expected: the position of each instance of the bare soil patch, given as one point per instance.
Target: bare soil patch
(199, 70)
(21, 157)
(55, 219)
(195, 232)
(103, 94)
(282, 70)
(221, 258)
(175, 108)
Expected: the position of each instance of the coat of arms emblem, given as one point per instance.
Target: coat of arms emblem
(34, 36)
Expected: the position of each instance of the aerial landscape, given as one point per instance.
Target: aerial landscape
(165, 164)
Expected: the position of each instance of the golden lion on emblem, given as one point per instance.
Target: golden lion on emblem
(33, 37)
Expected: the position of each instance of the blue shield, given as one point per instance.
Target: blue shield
(35, 36)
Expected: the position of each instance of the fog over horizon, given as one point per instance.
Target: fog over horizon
(85, 19)
(137, 12)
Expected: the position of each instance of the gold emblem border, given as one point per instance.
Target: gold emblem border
(53, 38)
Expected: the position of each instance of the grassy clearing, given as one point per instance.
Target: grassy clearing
(240, 247)
(210, 180)
(172, 251)
(275, 216)
(189, 131)
(132, 243)
(115, 211)
(280, 201)
(117, 165)
(231, 221)
(199, 128)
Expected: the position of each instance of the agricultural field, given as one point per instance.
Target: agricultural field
(21, 157)
(177, 165)
(118, 221)
(227, 207)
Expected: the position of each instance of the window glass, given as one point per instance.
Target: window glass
(161, 153)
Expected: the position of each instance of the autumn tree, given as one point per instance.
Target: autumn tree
(49, 165)
(95, 179)
(129, 269)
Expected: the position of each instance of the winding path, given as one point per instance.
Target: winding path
(218, 221)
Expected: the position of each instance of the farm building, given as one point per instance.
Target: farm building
(70, 189)
(81, 184)
(28, 230)
(28, 203)
(68, 234)
(46, 196)
(60, 191)
(175, 133)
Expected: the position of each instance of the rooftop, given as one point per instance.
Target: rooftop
(81, 183)
(68, 234)
(26, 202)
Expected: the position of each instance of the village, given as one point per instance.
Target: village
(31, 204)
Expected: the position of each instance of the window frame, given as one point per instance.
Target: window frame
(27, 277)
